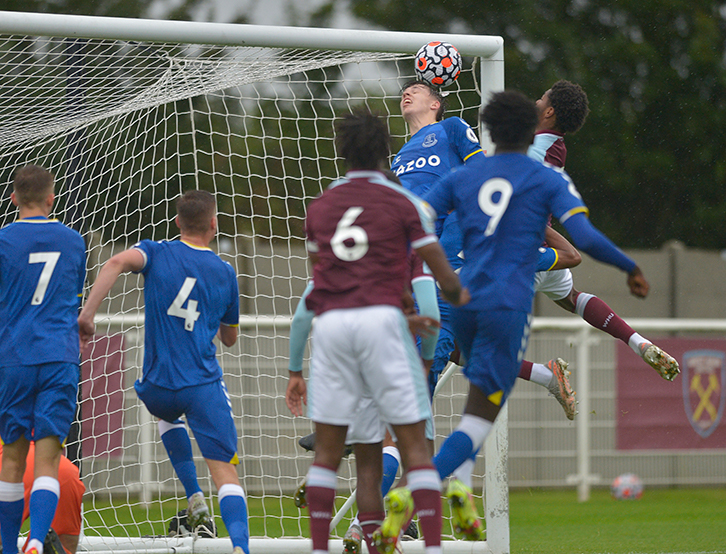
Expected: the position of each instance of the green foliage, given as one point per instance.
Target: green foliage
(649, 160)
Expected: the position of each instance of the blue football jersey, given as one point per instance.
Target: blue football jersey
(42, 272)
(503, 204)
(430, 154)
(188, 292)
(434, 151)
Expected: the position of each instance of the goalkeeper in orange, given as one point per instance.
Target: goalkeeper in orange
(65, 529)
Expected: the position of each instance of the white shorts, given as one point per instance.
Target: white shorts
(366, 353)
(555, 284)
(367, 425)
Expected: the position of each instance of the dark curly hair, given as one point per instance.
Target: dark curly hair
(362, 138)
(511, 118)
(570, 104)
(435, 92)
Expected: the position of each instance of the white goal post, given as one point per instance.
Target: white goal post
(128, 114)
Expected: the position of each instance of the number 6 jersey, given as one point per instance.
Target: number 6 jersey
(188, 292)
(361, 229)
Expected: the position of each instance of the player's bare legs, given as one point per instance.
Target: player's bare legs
(232, 503)
(598, 314)
(47, 457)
(369, 470)
(13, 465)
(391, 459)
(421, 495)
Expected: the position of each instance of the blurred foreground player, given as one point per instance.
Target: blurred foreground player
(358, 233)
(190, 295)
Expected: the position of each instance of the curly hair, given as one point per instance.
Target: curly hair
(362, 138)
(570, 104)
(435, 92)
(511, 118)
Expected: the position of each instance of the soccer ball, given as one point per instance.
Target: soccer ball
(627, 486)
(438, 63)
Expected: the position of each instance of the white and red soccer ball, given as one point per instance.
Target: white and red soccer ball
(627, 486)
(438, 63)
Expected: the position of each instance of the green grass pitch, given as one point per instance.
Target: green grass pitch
(683, 520)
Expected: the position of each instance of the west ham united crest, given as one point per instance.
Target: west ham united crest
(703, 377)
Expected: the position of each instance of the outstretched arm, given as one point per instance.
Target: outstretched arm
(588, 239)
(567, 255)
(128, 260)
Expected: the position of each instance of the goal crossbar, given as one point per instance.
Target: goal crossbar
(228, 34)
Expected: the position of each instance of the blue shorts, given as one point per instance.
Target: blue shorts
(38, 401)
(493, 344)
(208, 411)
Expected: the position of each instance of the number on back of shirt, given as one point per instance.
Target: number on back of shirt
(494, 196)
(355, 237)
(177, 309)
(48, 259)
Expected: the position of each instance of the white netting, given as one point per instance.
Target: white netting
(126, 127)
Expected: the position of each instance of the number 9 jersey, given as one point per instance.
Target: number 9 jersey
(188, 291)
(503, 203)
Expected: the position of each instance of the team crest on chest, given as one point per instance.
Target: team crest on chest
(429, 140)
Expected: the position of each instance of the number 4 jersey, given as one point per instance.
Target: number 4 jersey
(188, 292)
(361, 230)
(42, 271)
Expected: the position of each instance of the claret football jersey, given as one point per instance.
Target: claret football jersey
(361, 229)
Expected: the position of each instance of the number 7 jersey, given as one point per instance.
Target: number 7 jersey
(42, 271)
(188, 292)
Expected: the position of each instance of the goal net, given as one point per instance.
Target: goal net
(128, 118)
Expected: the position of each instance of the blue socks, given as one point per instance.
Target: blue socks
(43, 501)
(179, 448)
(233, 505)
(456, 448)
(459, 446)
(391, 461)
(12, 504)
